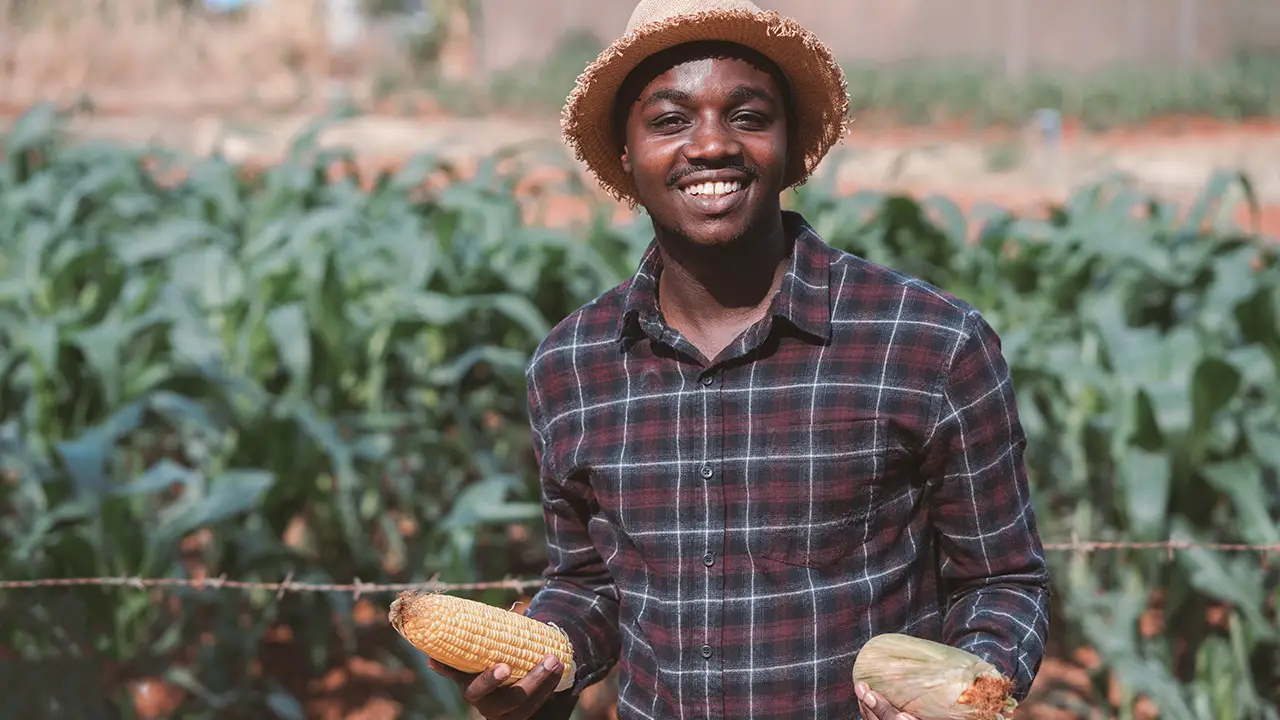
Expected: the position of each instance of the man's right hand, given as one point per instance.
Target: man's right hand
(519, 701)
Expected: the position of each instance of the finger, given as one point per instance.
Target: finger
(486, 682)
(873, 705)
(538, 685)
(461, 679)
(867, 713)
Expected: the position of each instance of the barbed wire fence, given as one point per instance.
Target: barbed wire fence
(357, 588)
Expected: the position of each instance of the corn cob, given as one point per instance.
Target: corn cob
(472, 637)
(932, 680)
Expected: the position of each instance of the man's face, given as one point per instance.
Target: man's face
(706, 144)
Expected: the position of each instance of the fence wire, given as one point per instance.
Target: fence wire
(357, 588)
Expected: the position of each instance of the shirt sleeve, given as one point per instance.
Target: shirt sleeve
(578, 594)
(993, 568)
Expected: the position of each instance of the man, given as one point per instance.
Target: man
(759, 452)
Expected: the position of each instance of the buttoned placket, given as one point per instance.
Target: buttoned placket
(712, 473)
(712, 380)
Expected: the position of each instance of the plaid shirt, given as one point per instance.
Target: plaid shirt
(731, 532)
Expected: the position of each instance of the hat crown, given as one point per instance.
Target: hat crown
(648, 11)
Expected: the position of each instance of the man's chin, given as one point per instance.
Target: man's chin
(715, 237)
(710, 234)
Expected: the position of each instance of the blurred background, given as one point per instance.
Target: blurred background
(270, 271)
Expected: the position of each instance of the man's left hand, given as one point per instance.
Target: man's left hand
(875, 707)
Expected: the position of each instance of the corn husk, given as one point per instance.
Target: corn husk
(933, 681)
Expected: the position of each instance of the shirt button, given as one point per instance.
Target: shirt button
(707, 380)
(706, 651)
(709, 559)
(707, 471)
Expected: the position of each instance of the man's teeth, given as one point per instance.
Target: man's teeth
(714, 188)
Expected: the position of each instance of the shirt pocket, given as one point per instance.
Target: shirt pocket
(818, 489)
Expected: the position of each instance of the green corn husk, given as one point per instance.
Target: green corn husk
(934, 681)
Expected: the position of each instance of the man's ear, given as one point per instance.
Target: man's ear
(626, 160)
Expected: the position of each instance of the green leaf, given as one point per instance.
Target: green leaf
(948, 216)
(433, 308)
(183, 678)
(40, 340)
(181, 411)
(1214, 194)
(1217, 576)
(1214, 384)
(1264, 439)
(1163, 368)
(290, 332)
(158, 478)
(1254, 365)
(485, 502)
(1234, 282)
(500, 359)
(231, 494)
(284, 705)
(85, 457)
(1241, 480)
(212, 277)
(1146, 478)
(46, 523)
(169, 239)
(39, 124)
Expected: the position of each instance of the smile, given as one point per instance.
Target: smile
(713, 189)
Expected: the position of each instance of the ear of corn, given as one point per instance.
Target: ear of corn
(472, 636)
(933, 680)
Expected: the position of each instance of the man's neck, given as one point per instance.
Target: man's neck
(711, 295)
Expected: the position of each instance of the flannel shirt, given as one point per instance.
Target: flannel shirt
(730, 532)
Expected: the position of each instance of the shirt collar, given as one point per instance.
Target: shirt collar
(803, 300)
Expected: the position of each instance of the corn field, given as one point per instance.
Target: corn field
(291, 373)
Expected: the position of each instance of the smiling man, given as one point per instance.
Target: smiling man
(759, 452)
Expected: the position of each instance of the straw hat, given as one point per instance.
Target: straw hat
(817, 81)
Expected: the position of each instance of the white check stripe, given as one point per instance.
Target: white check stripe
(792, 457)
(896, 322)
(866, 533)
(788, 388)
(756, 598)
(679, 502)
(751, 559)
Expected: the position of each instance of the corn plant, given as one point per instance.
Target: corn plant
(259, 376)
(206, 371)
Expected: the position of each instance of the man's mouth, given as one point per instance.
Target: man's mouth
(713, 189)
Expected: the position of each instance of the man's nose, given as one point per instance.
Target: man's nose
(711, 141)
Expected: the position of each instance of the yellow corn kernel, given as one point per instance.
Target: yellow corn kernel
(472, 637)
